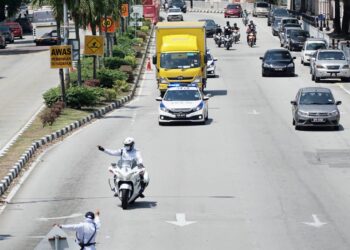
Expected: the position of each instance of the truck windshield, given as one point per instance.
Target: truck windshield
(181, 60)
(43, 16)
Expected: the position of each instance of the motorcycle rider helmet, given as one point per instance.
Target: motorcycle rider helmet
(235, 24)
(251, 22)
(228, 23)
(129, 143)
(90, 215)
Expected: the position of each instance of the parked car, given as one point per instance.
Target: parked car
(178, 3)
(284, 36)
(328, 64)
(174, 14)
(277, 62)
(210, 26)
(233, 10)
(276, 13)
(26, 25)
(6, 31)
(285, 21)
(2, 41)
(297, 39)
(15, 28)
(315, 107)
(310, 47)
(261, 9)
(211, 66)
(276, 26)
(50, 38)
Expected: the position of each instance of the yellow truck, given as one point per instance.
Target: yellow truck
(180, 54)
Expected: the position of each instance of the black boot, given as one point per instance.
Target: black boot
(143, 186)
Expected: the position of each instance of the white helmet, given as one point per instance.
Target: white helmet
(129, 143)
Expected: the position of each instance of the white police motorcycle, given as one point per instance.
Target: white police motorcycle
(126, 181)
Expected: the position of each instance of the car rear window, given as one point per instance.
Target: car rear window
(233, 6)
(278, 55)
(315, 46)
(296, 33)
(262, 5)
(280, 12)
(331, 55)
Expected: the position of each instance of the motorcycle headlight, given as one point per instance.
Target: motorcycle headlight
(303, 113)
(290, 65)
(333, 113)
(345, 66)
(163, 108)
(163, 80)
(199, 107)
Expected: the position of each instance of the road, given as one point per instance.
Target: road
(24, 76)
(247, 178)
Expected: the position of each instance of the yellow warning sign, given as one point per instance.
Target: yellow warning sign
(94, 45)
(61, 56)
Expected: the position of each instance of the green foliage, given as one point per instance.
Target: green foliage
(137, 41)
(144, 28)
(121, 86)
(118, 51)
(49, 116)
(114, 62)
(51, 96)
(130, 60)
(107, 77)
(110, 94)
(78, 97)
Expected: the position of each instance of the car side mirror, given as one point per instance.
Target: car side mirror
(261, 58)
(154, 60)
(293, 103)
(159, 99)
(337, 102)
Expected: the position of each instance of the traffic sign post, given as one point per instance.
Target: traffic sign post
(61, 56)
(125, 10)
(94, 45)
(108, 25)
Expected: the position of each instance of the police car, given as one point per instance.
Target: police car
(183, 104)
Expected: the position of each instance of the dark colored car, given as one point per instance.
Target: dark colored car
(15, 28)
(26, 25)
(286, 26)
(297, 39)
(275, 26)
(210, 26)
(6, 31)
(276, 13)
(315, 107)
(277, 62)
(233, 9)
(2, 41)
(48, 39)
(180, 4)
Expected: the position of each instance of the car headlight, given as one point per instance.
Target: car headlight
(163, 80)
(290, 65)
(199, 107)
(345, 66)
(266, 65)
(303, 113)
(319, 66)
(333, 113)
(163, 108)
(197, 80)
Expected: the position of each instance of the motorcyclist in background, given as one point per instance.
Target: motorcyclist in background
(236, 28)
(227, 29)
(129, 153)
(251, 29)
(218, 30)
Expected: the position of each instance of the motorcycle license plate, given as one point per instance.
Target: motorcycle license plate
(318, 120)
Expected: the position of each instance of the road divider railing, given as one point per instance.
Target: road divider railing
(28, 154)
(214, 6)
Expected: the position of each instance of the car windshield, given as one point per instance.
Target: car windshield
(288, 31)
(210, 23)
(276, 22)
(232, 6)
(285, 21)
(182, 95)
(316, 98)
(291, 25)
(280, 12)
(43, 16)
(278, 55)
(262, 5)
(179, 60)
(315, 46)
(331, 55)
(299, 33)
(177, 3)
(174, 10)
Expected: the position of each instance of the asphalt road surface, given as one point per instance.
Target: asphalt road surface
(247, 179)
(25, 75)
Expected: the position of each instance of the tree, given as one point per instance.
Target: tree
(12, 7)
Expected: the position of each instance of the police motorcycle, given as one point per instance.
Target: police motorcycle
(228, 39)
(236, 35)
(126, 181)
(218, 36)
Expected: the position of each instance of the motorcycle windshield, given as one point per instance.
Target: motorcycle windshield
(126, 164)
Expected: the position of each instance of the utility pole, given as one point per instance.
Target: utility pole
(66, 34)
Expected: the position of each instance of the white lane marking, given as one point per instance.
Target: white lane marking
(133, 119)
(254, 112)
(181, 221)
(61, 217)
(316, 222)
(343, 88)
(15, 137)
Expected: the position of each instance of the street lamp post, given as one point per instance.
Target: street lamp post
(6, 11)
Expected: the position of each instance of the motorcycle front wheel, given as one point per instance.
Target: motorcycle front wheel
(125, 198)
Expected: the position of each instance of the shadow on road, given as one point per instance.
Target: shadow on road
(116, 117)
(326, 129)
(142, 204)
(10, 51)
(218, 92)
(21, 41)
(43, 200)
(5, 236)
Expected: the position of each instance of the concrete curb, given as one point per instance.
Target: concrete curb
(206, 10)
(26, 156)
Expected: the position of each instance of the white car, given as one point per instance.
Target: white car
(183, 104)
(310, 47)
(174, 14)
(211, 67)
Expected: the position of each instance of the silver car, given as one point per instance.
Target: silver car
(285, 35)
(329, 64)
(315, 107)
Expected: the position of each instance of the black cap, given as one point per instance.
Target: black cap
(90, 215)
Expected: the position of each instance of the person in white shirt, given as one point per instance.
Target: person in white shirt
(85, 231)
(129, 153)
